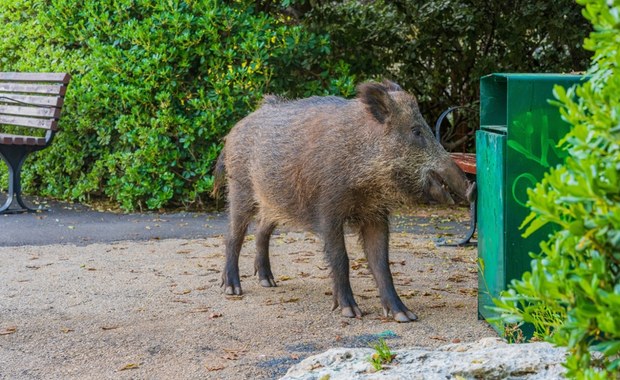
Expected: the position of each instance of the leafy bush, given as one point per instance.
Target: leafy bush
(156, 84)
(440, 48)
(572, 294)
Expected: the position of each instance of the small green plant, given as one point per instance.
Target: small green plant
(512, 332)
(382, 355)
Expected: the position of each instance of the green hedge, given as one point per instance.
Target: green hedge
(156, 85)
(572, 294)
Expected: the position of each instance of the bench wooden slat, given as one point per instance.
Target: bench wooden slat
(54, 101)
(30, 111)
(28, 122)
(30, 88)
(7, 139)
(35, 77)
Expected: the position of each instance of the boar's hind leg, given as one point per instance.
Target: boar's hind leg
(262, 265)
(338, 259)
(241, 210)
(375, 237)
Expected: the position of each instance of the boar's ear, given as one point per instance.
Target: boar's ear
(377, 99)
(391, 86)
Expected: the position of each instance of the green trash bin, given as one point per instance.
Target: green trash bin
(515, 146)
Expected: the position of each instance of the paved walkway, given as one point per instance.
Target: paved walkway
(81, 225)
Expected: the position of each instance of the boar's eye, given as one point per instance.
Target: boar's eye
(417, 136)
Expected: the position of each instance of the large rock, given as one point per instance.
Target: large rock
(489, 358)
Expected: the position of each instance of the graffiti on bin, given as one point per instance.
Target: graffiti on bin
(531, 138)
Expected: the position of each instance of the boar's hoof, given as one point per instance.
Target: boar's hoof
(351, 312)
(268, 283)
(236, 291)
(405, 317)
(402, 316)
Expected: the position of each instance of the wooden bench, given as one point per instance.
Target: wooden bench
(467, 163)
(30, 105)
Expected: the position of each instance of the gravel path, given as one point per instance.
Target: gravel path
(152, 307)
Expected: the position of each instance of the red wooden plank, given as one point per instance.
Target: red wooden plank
(466, 161)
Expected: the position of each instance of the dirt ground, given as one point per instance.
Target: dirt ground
(155, 309)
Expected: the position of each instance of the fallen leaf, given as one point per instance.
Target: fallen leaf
(202, 309)
(218, 367)
(234, 354)
(457, 277)
(355, 265)
(184, 251)
(66, 330)
(472, 292)
(437, 306)
(284, 278)
(106, 328)
(8, 330)
(315, 366)
(130, 366)
(290, 300)
(182, 292)
(234, 297)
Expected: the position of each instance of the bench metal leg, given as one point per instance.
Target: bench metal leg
(473, 213)
(14, 156)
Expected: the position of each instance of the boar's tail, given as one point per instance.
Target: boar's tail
(219, 176)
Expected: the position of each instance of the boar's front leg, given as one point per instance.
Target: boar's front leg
(338, 260)
(375, 239)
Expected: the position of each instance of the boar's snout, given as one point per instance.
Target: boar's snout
(437, 190)
(449, 179)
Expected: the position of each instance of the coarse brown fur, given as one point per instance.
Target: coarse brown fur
(323, 162)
